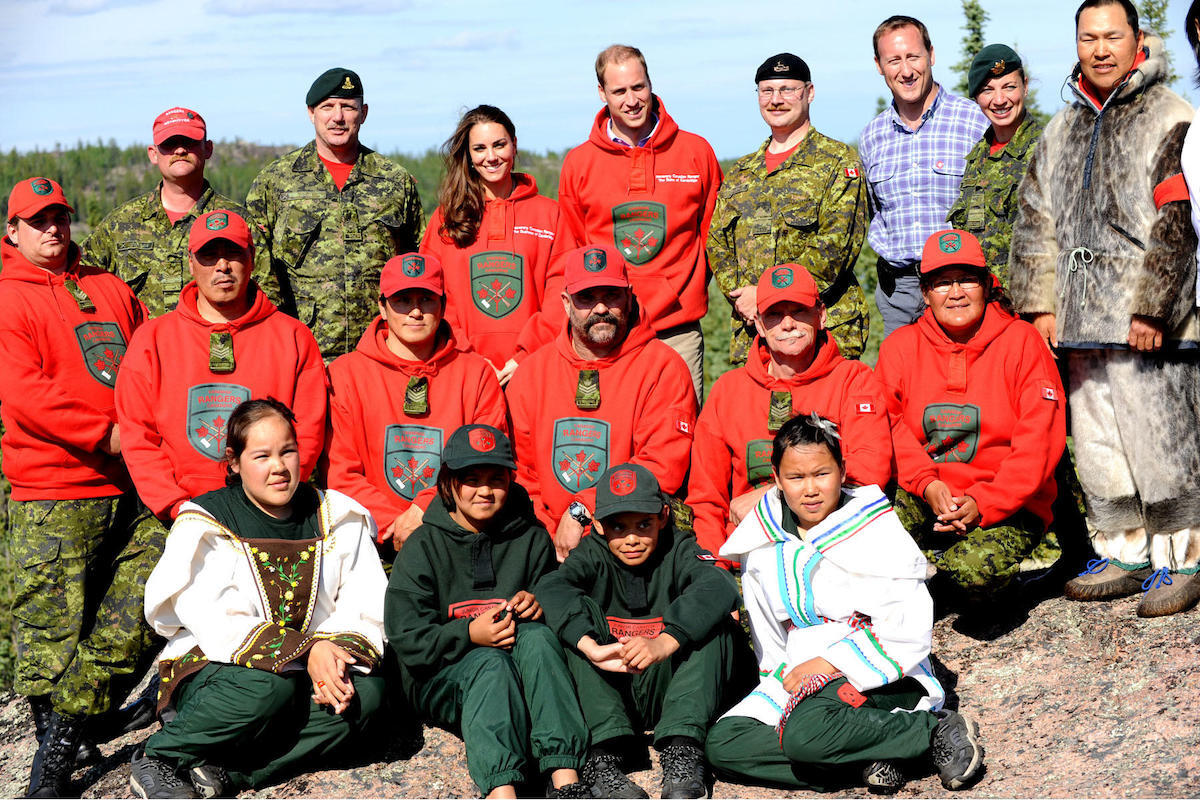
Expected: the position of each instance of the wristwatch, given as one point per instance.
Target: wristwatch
(579, 513)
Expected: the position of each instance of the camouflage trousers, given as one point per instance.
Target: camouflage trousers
(983, 561)
(81, 569)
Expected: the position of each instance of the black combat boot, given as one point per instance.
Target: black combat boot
(40, 708)
(55, 758)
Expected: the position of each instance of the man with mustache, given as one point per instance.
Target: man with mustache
(187, 370)
(794, 367)
(329, 215)
(914, 153)
(605, 392)
(649, 188)
(144, 241)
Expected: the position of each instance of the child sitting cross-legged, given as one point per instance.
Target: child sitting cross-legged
(474, 654)
(842, 627)
(644, 613)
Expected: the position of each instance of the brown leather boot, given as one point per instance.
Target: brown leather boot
(1104, 579)
(1169, 593)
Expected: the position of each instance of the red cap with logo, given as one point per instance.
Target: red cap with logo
(31, 195)
(787, 283)
(220, 224)
(411, 271)
(594, 265)
(179, 122)
(953, 248)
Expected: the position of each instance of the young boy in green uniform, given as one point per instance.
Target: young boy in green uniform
(474, 654)
(645, 614)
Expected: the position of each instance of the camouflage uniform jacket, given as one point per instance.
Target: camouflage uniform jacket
(987, 204)
(319, 250)
(138, 242)
(810, 210)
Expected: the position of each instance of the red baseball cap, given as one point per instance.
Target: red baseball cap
(787, 282)
(594, 265)
(179, 122)
(219, 224)
(411, 271)
(31, 195)
(952, 248)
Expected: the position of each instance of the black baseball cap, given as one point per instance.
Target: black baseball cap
(628, 487)
(471, 445)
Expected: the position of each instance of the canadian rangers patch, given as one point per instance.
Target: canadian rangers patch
(639, 230)
(580, 454)
(412, 455)
(209, 406)
(646, 628)
(758, 462)
(951, 431)
(103, 347)
(471, 608)
(622, 482)
(497, 282)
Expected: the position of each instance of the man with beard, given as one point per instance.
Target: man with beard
(605, 392)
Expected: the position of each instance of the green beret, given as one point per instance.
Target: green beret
(336, 82)
(991, 62)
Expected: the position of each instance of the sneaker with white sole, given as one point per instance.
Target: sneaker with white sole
(151, 778)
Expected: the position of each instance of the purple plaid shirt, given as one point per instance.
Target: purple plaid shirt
(914, 176)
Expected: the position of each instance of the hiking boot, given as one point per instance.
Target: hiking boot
(54, 761)
(604, 774)
(209, 780)
(1168, 593)
(1103, 580)
(577, 789)
(883, 777)
(151, 777)
(41, 710)
(682, 770)
(955, 750)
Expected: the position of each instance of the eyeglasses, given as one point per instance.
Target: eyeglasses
(786, 92)
(966, 283)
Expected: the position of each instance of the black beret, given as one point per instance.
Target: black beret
(783, 65)
(336, 82)
(991, 62)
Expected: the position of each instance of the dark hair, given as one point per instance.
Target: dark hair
(1193, 16)
(461, 192)
(238, 428)
(803, 430)
(448, 477)
(895, 23)
(1131, 14)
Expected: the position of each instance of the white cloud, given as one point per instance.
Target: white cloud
(247, 8)
(79, 8)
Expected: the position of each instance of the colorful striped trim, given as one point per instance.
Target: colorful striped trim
(767, 697)
(846, 529)
(863, 658)
(770, 527)
(895, 665)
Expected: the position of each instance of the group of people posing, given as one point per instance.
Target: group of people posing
(313, 443)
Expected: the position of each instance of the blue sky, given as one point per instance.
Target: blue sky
(100, 69)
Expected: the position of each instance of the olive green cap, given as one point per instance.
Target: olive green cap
(336, 82)
(991, 62)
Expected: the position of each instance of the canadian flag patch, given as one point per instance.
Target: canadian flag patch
(706, 557)
(683, 427)
(866, 408)
(851, 172)
(1048, 393)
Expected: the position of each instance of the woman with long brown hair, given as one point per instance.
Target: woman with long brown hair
(494, 235)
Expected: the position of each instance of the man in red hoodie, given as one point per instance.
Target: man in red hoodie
(185, 371)
(650, 188)
(384, 446)
(605, 392)
(81, 543)
(793, 367)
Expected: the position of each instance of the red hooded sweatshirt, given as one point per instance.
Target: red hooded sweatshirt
(62, 362)
(496, 286)
(382, 457)
(985, 417)
(732, 451)
(654, 204)
(647, 414)
(173, 409)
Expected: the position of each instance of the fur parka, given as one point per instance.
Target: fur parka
(1089, 244)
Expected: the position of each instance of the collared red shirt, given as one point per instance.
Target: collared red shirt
(914, 175)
